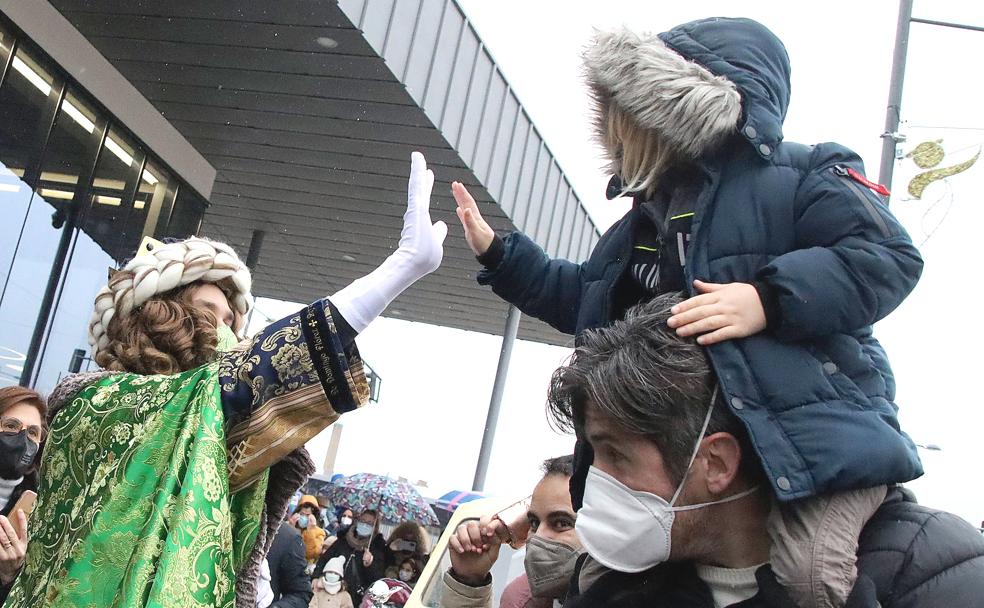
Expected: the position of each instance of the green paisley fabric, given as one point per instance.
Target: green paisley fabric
(141, 514)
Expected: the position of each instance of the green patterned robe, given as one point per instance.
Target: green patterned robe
(153, 487)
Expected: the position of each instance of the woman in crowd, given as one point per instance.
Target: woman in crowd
(306, 517)
(408, 541)
(338, 520)
(22, 430)
(364, 553)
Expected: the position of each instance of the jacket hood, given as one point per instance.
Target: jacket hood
(696, 84)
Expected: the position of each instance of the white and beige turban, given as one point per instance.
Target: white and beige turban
(165, 267)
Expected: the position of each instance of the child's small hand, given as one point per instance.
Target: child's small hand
(722, 312)
(478, 233)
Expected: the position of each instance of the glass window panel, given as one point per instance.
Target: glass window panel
(187, 215)
(26, 235)
(45, 220)
(68, 153)
(101, 244)
(26, 101)
(15, 201)
(85, 274)
(111, 218)
(154, 199)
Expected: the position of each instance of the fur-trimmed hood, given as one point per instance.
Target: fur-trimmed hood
(696, 84)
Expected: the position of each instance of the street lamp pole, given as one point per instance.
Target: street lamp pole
(891, 137)
(498, 388)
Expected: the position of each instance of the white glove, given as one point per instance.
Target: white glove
(419, 254)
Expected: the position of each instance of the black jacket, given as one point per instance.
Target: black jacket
(815, 389)
(289, 580)
(357, 577)
(910, 556)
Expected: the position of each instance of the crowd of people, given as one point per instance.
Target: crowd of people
(738, 442)
(328, 559)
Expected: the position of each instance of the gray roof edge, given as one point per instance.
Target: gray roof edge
(70, 50)
(376, 18)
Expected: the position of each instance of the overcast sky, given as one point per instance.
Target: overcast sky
(437, 381)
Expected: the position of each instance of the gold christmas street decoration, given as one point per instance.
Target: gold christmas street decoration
(927, 155)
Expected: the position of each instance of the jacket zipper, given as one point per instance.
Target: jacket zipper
(844, 172)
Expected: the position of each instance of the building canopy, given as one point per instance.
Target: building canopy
(308, 112)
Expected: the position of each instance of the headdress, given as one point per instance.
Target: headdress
(159, 268)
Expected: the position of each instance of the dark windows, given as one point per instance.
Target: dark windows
(77, 194)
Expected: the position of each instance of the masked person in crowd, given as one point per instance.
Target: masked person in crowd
(166, 477)
(306, 517)
(551, 550)
(345, 519)
(789, 256)
(285, 570)
(364, 551)
(337, 519)
(407, 541)
(22, 431)
(329, 590)
(408, 571)
(676, 504)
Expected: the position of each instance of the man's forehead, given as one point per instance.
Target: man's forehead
(552, 494)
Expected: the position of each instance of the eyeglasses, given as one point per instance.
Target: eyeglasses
(13, 425)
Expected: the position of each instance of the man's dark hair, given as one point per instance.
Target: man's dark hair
(649, 381)
(561, 465)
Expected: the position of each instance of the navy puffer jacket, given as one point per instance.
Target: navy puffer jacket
(815, 389)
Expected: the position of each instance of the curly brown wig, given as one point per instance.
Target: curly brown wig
(166, 335)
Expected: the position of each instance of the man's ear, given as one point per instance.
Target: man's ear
(722, 456)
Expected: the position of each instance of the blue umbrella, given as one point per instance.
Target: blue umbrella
(451, 500)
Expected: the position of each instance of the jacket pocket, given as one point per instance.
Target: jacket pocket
(852, 179)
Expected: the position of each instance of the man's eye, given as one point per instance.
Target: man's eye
(534, 524)
(562, 525)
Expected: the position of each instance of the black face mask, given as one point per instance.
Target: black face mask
(17, 454)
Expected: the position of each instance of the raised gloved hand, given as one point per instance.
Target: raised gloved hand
(419, 254)
(421, 242)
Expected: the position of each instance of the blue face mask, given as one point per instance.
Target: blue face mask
(362, 529)
(302, 521)
(227, 340)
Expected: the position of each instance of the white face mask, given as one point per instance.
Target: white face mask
(406, 575)
(333, 582)
(346, 521)
(629, 530)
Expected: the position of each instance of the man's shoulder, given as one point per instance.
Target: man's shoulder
(288, 531)
(922, 556)
(286, 537)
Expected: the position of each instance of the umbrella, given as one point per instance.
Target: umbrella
(395, 501)
(445, 505)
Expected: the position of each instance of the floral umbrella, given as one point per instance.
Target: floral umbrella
(396, 501)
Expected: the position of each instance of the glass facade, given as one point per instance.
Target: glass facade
(77, 194)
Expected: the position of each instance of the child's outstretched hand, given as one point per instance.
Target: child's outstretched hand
(478, 233)
(721, 312)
